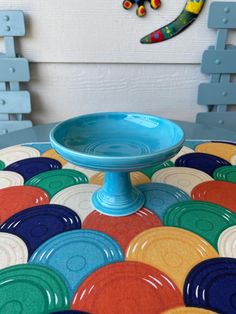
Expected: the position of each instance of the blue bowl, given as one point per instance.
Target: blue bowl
(117, 141)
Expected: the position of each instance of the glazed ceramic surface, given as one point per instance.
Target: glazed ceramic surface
(187, 258)
(117, 141)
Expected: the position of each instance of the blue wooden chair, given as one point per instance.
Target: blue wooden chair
(13, 70)
(219, 61)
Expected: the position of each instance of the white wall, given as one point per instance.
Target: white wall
(86, 56)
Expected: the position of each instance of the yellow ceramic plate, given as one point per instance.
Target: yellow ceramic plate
(223, 150)
(174, 251)
(51, 153)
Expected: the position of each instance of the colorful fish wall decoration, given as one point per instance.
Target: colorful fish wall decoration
(188, 15)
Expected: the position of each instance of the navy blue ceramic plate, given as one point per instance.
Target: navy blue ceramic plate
(37, 224)
(211, 285)
(201, 161)
(30, 167)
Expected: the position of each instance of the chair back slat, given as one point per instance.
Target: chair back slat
(210, 93)
(14, 70)
(15, 102)
(218, 119)
(10, 126)
(222, 15)
(219, 62)
(12, 23)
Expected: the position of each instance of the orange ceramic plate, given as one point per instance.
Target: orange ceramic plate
(122, 229)
(127, 287)
(16, 198)
(217, 192)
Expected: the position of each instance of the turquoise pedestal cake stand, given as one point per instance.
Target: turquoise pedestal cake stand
(117, 143)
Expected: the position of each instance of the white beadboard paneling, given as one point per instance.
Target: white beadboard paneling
(102, 31)
(86, 57)
(61, 91)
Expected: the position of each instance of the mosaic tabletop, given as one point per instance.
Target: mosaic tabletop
(177, 254)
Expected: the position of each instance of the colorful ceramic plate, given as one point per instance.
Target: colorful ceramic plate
(56, 180)
(78, 198)
(227, 242)
(173, 251)
(184, 150)
(233, 160)
(205, 219)
(128, 287)
(225, 174)
(37, 224)
(151, 170)
(14, 153)
(51, 153)
(223, 150)
(32, 289)
(122, 229)
(200, 161)
(13, 250)
(76, 254)
(182, 177)
(16, 198)
(2, 165)
(88, 172)
(31, 167)
(159, 197)
(211, 285)
(9, 178)
(217, 192)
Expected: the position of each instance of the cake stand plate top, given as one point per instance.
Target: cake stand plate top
(117, 141)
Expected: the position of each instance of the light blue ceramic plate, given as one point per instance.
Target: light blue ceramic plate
(76, 254)
(117, 143)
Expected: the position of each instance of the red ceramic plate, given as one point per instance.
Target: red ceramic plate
(127, 287)
(217, 192)
(122, 229)
(16, 198)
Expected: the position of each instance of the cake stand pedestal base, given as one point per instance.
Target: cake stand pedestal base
(117, 197)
